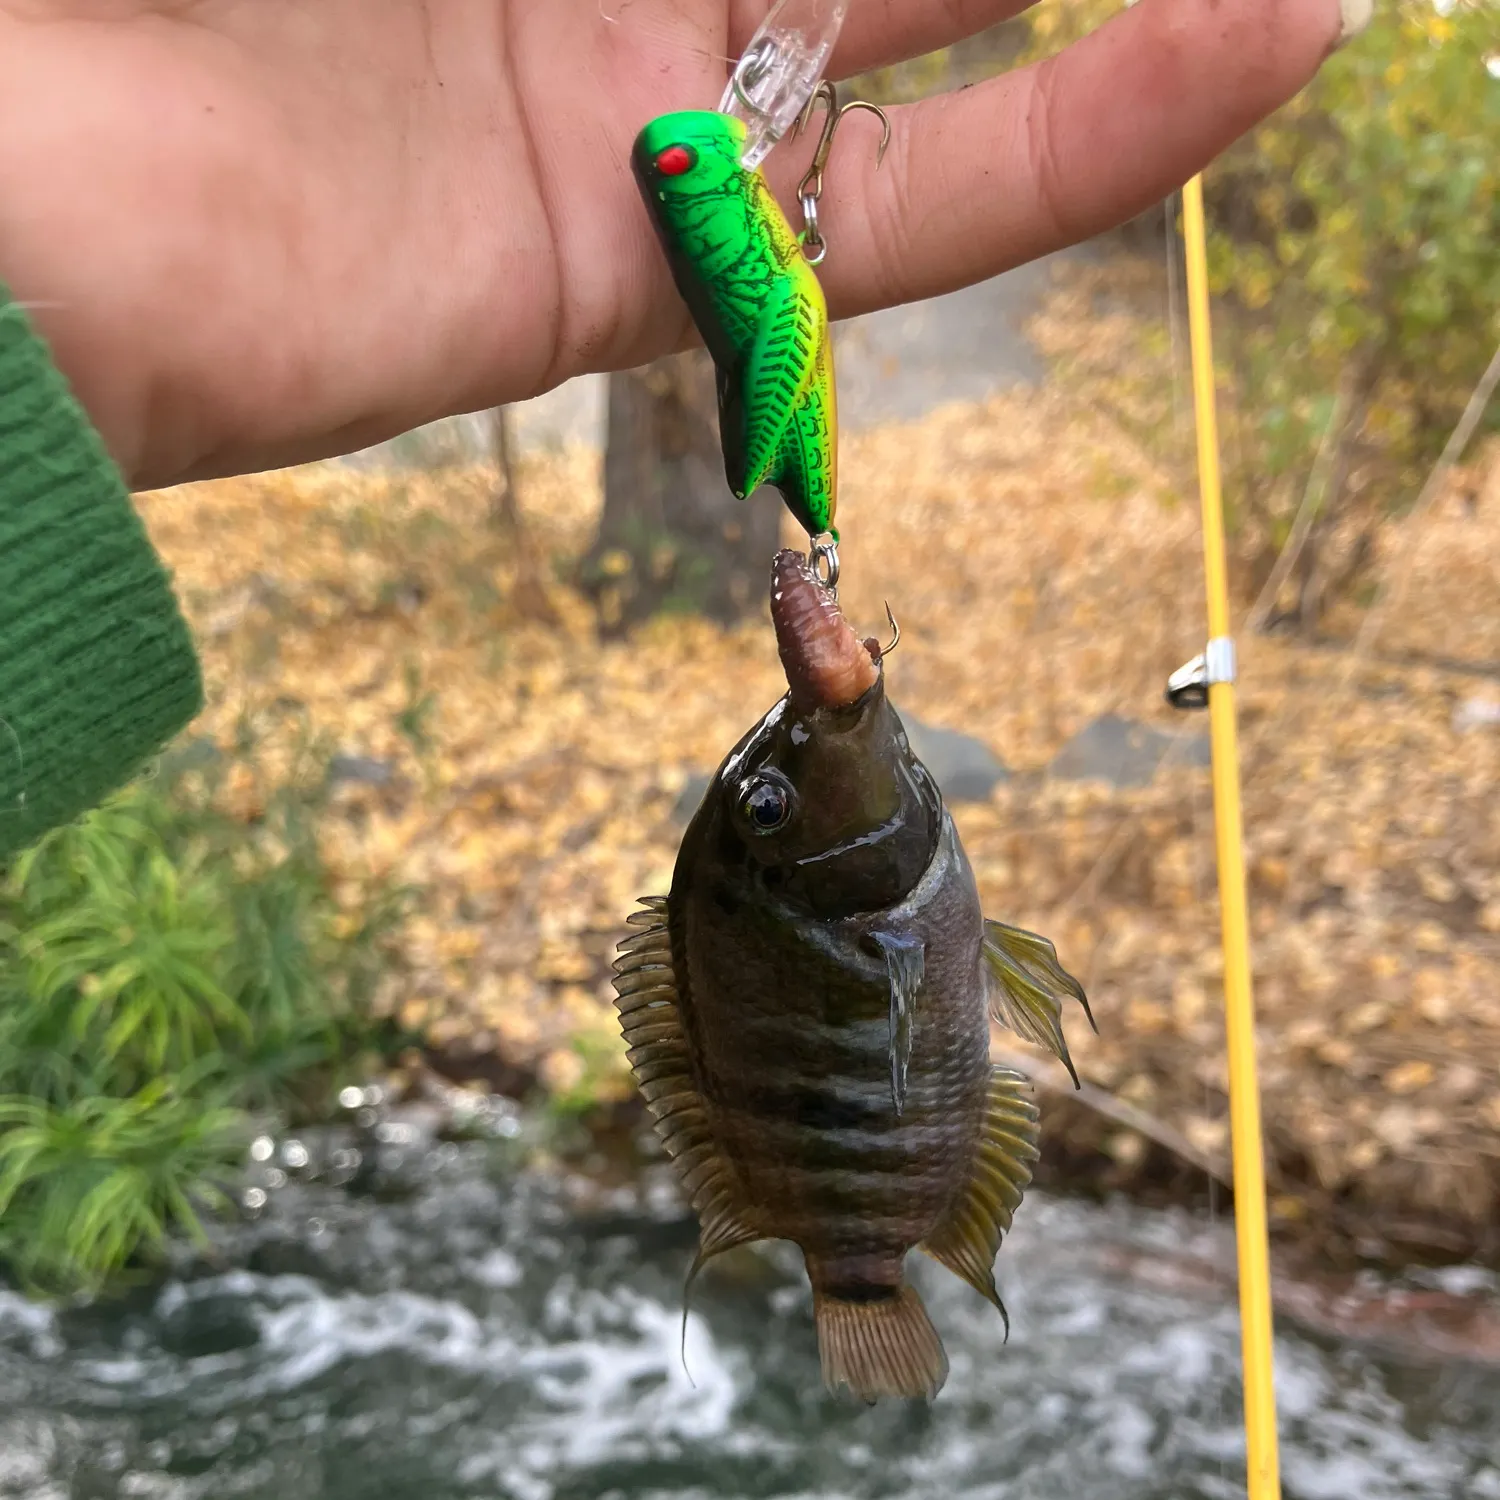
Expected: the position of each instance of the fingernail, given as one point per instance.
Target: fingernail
(1354, 16)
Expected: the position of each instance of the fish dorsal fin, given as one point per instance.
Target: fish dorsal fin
(968, 1237)
(1025, 985)
(647, 999)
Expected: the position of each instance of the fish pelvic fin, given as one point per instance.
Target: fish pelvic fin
(650, 1008)
(884, 1346)
(1025, 986)
(967, 1239)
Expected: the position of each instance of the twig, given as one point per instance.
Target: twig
(1306, 512)
(530, 595)
(1453, 449)
(1052, 1078)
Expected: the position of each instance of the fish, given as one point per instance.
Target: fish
(806, 1011)
(758, 305)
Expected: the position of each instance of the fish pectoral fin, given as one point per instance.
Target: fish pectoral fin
(1025, 986)
(886, 1346)
(778, 370)
(650, 1007)
(968, 1237)
(905, 965)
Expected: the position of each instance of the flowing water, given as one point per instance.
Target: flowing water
(498, 1333)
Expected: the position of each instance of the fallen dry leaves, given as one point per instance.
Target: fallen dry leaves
(1042, 553)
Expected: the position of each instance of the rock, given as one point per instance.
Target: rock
(965, 769)
(1123, 753)
(364, 769)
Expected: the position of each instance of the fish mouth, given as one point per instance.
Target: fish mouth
(826, 663)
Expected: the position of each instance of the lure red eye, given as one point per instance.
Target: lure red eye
(674, 161)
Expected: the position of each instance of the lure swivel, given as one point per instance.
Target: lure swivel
(810, 189)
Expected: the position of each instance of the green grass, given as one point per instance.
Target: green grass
(164, 972)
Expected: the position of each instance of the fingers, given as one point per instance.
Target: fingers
(979, 181)
(880, 32)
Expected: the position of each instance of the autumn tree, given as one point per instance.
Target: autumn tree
(672, 536)
(1358, 238)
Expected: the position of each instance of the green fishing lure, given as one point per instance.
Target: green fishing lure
(756, 301)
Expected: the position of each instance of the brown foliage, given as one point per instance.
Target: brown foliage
(1042, 554)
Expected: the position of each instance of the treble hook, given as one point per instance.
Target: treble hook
(810, 189)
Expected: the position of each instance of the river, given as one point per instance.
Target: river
(505, 1331)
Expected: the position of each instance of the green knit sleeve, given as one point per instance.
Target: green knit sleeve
(97, 669)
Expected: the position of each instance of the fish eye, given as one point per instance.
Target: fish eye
(766, 803)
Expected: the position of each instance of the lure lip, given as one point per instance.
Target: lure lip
(827, 666)
(779, 71)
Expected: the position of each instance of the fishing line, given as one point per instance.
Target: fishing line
(661, 32)
(1182, 737)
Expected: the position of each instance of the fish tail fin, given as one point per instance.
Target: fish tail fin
(883, 1347)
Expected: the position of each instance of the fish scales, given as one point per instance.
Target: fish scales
(793, 1062)
(807, 1011)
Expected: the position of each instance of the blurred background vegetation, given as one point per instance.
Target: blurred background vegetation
(167, 973)
(192, 958)
(1355, 248)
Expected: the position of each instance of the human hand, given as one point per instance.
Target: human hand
(262, 231)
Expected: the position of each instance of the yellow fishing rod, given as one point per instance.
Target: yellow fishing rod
(1210, 679)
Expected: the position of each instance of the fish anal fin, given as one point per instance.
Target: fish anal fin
(885, 1346)
(967, 1238)
(659, 1059)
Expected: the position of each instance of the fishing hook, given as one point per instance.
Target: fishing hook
(885, 651)
(810, 189)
